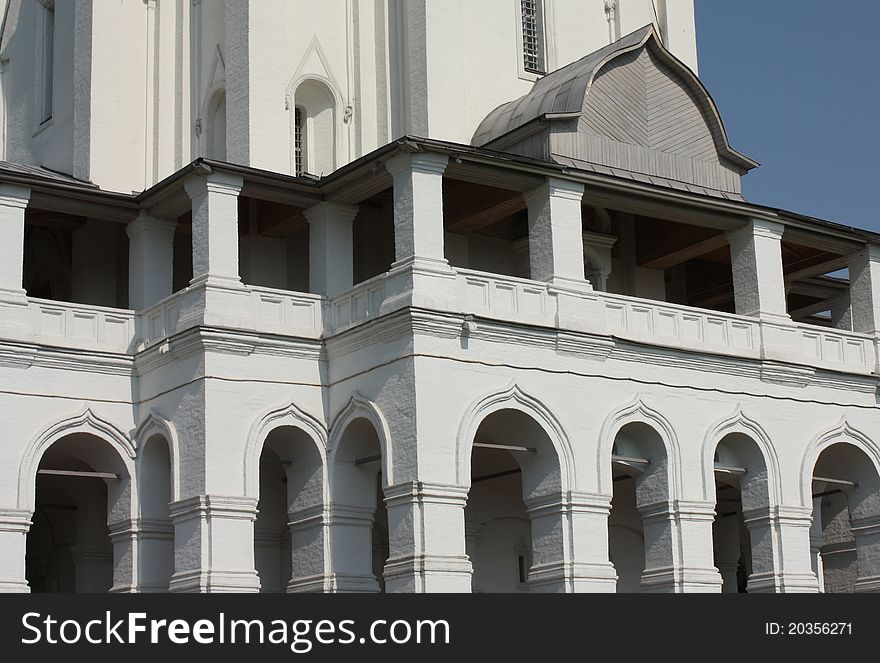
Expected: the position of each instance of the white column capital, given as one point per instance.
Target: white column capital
(220, 183)
(557, 188)
(418, 162)
(144, 223)
(12, 195)
(328, 210)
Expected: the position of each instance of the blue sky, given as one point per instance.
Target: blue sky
(798, 87)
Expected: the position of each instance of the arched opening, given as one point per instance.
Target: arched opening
(313, 129)
(514, 466)
(639, 531)
(741, 534)
(82, 486)
(360, 520)
(289, 537)
(156, 537)
(845, 538)
(215, 139)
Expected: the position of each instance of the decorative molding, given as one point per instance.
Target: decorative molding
(359, 407)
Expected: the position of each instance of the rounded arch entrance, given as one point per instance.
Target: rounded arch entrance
(78, 480)
(845, 534)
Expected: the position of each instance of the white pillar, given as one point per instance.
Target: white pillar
(215, 228)
(331, 248)
(867, 535)
(695, 564)
(727, 551)
(418, 208)
(780, 539)
(592, 570)
(14, 526)
(214, 544)
(150, 260)
(426, 536)
(352, 528)
(556, 244)
(658, 526)
(309, 547)
(756, 260)
(13, 202)
(864, 289)
(816, 543)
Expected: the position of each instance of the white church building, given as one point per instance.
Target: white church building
(414, 296)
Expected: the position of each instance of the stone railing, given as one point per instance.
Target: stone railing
(503, 298)
(66, 325)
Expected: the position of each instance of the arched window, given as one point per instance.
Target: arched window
(313, 144)
(215, 140)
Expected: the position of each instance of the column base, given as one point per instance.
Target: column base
(354, 584)
(215, 582)
(595, 578)
(429, 574)
(317, 584)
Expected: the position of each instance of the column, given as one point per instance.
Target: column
(309, 546)
(556, 244)
(696, 568)
(215, 228)
(14, 526)
(756, 260)
(13, 202)
(331, 248)
(124, 544)
(426, 536)
(727, 551)
(150, 260)
(214, 544)
(864, 289)
(816, 543)
(658, 526)
(591, 568)
(866, 531)
(418, 208)
(352, 538)
(780, 540)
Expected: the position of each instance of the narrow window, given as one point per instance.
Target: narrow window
(298, 141)
(47, 58)
(521, 568)
(532, 36)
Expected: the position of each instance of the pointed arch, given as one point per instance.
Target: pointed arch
(513, 398)
(287, 415)
(84, 422)
(842, 432)
(359, 407)
(739, 422)
(637, 411)
(155, 424)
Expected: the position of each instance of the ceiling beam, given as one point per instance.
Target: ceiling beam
(818, 269)
(485, 216)
(686, 253)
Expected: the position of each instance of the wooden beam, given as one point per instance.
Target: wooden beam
(504, 447)
(839, 482)
(81, 474)
(822, 242)
(818, 269)
(812, 309)
(686, 253)
(486, 215)
(825, 289)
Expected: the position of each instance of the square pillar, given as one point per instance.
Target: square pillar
(756, 260)
(556, 243)
(780, 540)
(591, 569)
(866, 531)
(864, 289)
(309, 547)
(214, 544)
(215, 228)
(331, 247)
(150, 260)
(13, 202)
(418, 208)
(14, 526)
(427, 541)
(696, 568)
(352, 528)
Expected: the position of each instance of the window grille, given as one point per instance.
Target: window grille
(298, 141)
(532, 36)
